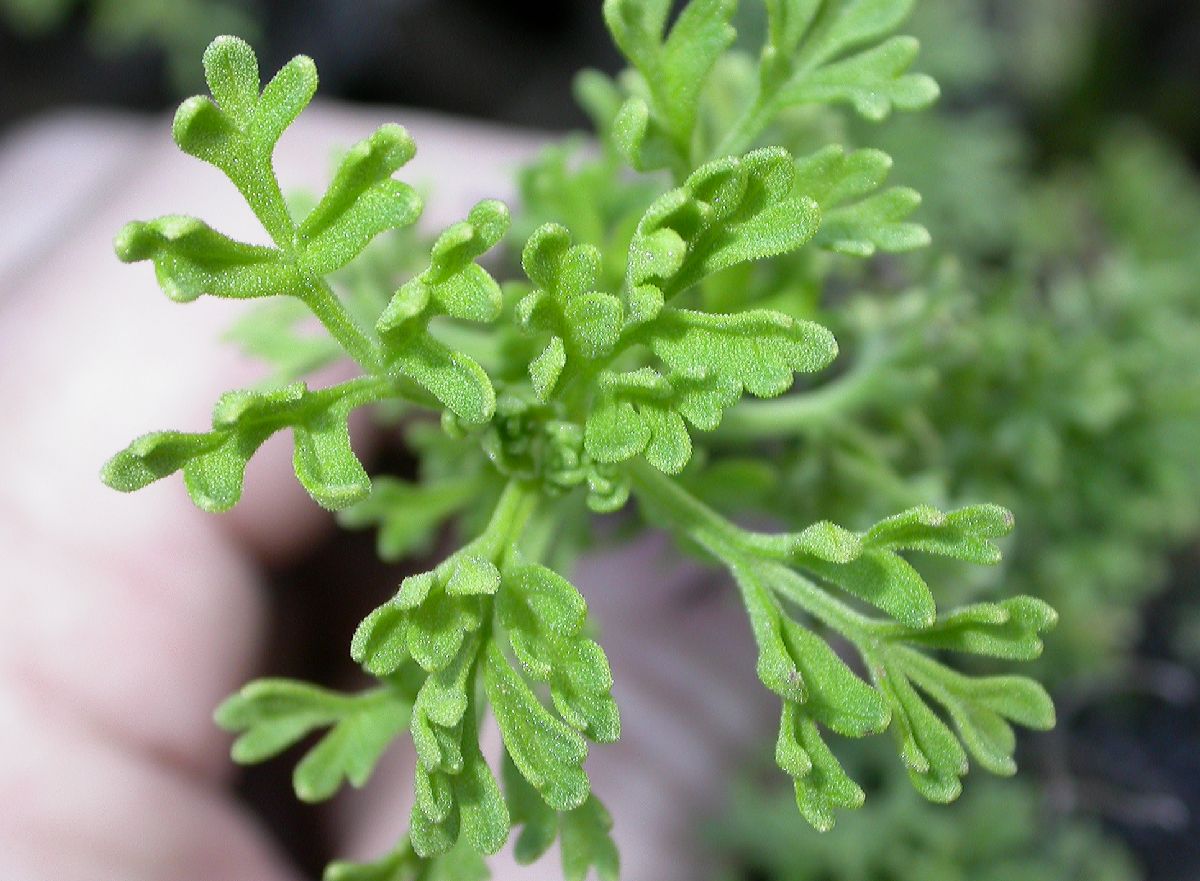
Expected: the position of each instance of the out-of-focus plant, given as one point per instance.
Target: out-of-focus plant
(999, 832)
(180, 29)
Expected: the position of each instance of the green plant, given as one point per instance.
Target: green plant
(1049, 366)
(178, 29)
(1052, 367)
(999, 831)
(633, 331)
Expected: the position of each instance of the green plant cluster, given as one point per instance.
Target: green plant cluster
(1051, 366)
(999, 831)
(636, 329)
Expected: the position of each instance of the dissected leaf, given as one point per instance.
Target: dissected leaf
(727, 212)
(708, 363)
(453, 285)
(834, 51)
(274, 714)
(674, 68)
(214, 463)
(857, 218)
(587, 843)
(544, 616)
(866, 564)
(821, 783)
(1007, 629)
(548, 753)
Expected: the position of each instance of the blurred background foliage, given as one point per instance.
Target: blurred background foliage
(1044, 353)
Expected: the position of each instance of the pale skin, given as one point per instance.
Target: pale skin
(126, 619)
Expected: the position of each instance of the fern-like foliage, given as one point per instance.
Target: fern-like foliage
(603, 371)
(999, 831)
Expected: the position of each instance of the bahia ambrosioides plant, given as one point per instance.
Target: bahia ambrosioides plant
(592, 375)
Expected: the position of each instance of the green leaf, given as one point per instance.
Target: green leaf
(436, 629)
(674, 69)
(873, 82)
(238, 133)
(981, 709)
(776, 667)
(191, 259)
(587, 843)
(836, 697)
(453, 285)
(821, 783)
(1009, 629)
(729, 211)
(801, 668)
(214, 463)
(587, 322)
(932, 754)
(546, 368)
(429, 617)
(361, 201)
(866, 564)
(756, 351)
(324, 462)
(829, 27)
(831, 52)
(883, 579)
(380, 642)
(547, 752)
(274, 714)
(529, 810)
(856, 220)
(544, 616)
(966, 534)
(708, 362)
(463, 803)
(349, 751)
(485, 819)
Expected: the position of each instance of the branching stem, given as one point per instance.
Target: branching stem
(320, 298)
(738, 548)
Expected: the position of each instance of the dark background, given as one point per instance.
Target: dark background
(1143, 59)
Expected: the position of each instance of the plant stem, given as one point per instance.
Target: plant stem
(745, 130)
(739, 549)
(512, 512)
(320, 298)
(801, 413)
(809, 596)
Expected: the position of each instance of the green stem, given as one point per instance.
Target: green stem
(260, 188)
(371, 389)
(512, 512)
(740, 549)
(745, 130)
(262, 192)
(833, 613)
(320, 298)
(799, 414)
(686, 513)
